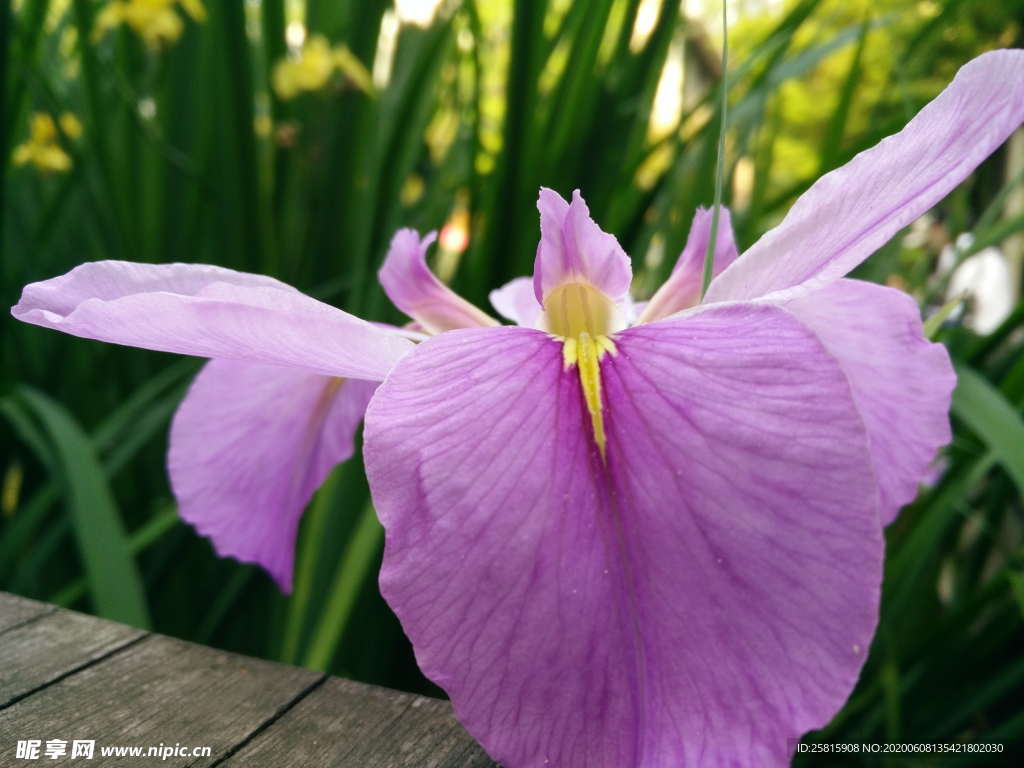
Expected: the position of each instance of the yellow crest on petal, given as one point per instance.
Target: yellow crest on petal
(582, 317)
(586, 352)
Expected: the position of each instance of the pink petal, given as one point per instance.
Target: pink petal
(853, 211)
(702, 599)
(413, 288)
(249, 445)
(682, 289)
(573, 247)
(902, 384)
(195, 309)
(517, 302)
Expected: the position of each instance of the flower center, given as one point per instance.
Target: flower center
(575, 308)
(582, 317)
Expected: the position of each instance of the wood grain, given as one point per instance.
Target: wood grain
(41, 651)
(65, 675)
(351, 725)
(15, 611)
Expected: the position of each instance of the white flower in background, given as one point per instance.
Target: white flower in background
(984, 280)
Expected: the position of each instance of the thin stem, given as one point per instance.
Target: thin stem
(709, 256)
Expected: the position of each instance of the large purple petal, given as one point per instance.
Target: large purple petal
(703, 598)
(851, 212)
(574, 248)
(196, 309)
(902, 384)
(414, 289)
(249, 445)
(682, 289)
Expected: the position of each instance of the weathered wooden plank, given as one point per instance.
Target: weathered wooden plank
(15, 611)
(351, 725)
(160, 692)
(38, 652)
(72, 677)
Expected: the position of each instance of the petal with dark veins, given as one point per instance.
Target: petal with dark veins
(249, 445)
(902, 383)
(702, 597)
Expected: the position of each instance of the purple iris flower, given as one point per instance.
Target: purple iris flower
(617, 534)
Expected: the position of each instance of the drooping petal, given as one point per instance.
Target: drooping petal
(705, 596)
(851, 212)
(573, 248)
(516, 301)
(682, 289)
(249, 445)
(196, 309)
(902, 383)
(414, 289)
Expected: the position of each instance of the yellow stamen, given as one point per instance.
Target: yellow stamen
(581, 317)
(586, 353)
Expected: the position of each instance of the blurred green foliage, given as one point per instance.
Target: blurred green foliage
(182, 148)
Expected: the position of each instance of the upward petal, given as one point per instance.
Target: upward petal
(249, 445)
(682, 289)
(196, 309)
(851, 212)
(700, 598)
(573, 248)
(414, 289)
(902, 383)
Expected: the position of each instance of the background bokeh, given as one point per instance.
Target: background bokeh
(293, 138)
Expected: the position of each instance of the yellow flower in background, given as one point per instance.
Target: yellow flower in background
(43, 149)
(194, 8)
(70, 125)
(11, 492)
(66, 46)
(155, 21)
(309, 71)
(314, 66)
(263, 126)
(350, 66)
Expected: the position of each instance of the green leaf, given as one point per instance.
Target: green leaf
(113, 577)
(993, 418)
(149, 533)
(933, 324)
(227, 597)
(833, 138)
(300, 605)
(359, 559)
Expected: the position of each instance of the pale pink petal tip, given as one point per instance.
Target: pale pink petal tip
(206, 311)
(853, 211)
(414, 289)
(682, 289)
(573, 247)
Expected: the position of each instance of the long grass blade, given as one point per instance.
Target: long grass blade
(709, 256)
(984, 409)
(114, 582)
(360, 556)
(138, 541)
